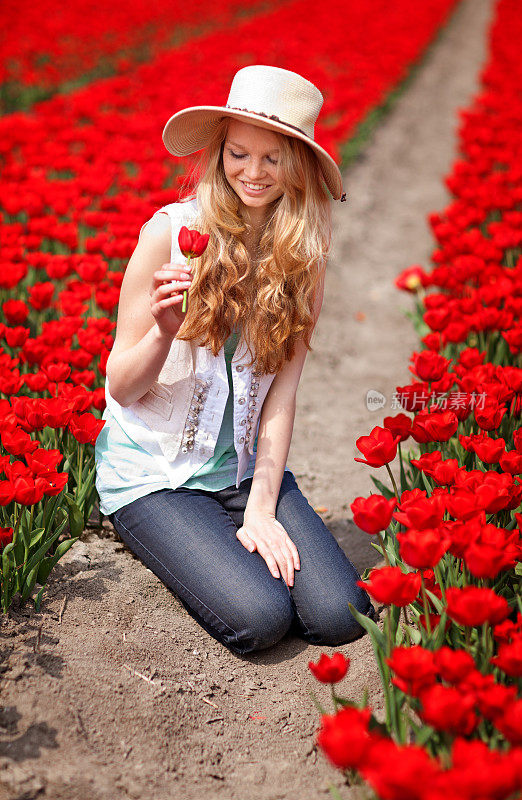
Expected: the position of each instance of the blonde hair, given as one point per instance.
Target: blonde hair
(272, 299)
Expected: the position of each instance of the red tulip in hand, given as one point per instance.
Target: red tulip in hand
(192, 244)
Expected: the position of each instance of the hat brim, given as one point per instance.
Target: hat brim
(191, 129)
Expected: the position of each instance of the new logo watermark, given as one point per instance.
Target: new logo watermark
(400, 401)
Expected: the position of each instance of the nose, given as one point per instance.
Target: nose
(254, 169)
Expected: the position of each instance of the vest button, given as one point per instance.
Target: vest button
(241, 400)
(242, 421)
(241, 439)
(239, 368)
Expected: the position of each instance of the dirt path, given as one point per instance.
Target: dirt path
(127, 696)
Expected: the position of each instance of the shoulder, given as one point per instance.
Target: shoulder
(182, 210)
(161, 223)
(156, 231)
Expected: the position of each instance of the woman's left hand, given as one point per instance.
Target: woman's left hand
(261, 531)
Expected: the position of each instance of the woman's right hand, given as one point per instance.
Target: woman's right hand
(166, 296)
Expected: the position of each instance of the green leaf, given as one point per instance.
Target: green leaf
(37, 557)
(370, 627)
(76, 521)
(47, 564)
(378, 727)
(38, 599)
(437, 602)
(441, 631)
(50, 511)
(423, 733)
(426, 483)
(7, 549)
(7, 562)
(317, 704)
(385, 490)
(29, 583)
(36, 536)
(414, 634)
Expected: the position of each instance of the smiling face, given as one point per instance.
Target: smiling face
(250, 161)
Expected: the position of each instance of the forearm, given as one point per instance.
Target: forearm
(274, 436)
(132, 372)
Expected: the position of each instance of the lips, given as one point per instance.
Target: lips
(255, 187)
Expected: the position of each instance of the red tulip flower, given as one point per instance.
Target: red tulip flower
(380, 447)
(390, 585)
(510, 723)
(414, 668)
(373, 514)
(423, 547)
(473, 605)
(192, 244)
(453, 665)
(330, 670)
(509, 658)
(6, 537)
(344, 736)
(448, 709)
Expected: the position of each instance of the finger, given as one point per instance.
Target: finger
(294, 552)
(245, 540)
(296, 564)
(176, 299)
(285, 561)
(268, 556)
(161, 276)
(172, 286)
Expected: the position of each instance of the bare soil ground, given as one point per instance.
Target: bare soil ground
(119, 693)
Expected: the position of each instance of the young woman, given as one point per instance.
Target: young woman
(191, 462)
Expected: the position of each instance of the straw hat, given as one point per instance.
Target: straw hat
(269, 97)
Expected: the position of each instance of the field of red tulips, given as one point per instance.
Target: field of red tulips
(450, 651)
(47, 51)
(81, 173)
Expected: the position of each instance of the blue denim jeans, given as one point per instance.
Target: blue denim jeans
(187, 537)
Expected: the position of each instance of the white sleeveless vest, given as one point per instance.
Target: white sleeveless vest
(180, 416)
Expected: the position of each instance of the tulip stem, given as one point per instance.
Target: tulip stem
(393, 481)
(334, 698)
(438, 575)
(387, 624)
(384, 552)
(184, 304)
(425, 604)
(80, 469)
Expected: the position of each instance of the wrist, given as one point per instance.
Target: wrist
(255, 514)
(161, 336)
(260, 505)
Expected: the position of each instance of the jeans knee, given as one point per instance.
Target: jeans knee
(338, 625)
(264, 626)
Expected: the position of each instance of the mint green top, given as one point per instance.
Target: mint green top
(220, 470)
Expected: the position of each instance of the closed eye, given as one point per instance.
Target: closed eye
(242, 155)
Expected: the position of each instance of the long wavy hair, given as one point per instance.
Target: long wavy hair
(271, 298)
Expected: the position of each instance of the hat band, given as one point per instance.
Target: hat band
(271, 116)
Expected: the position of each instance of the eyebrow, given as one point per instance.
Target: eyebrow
(236, 144)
